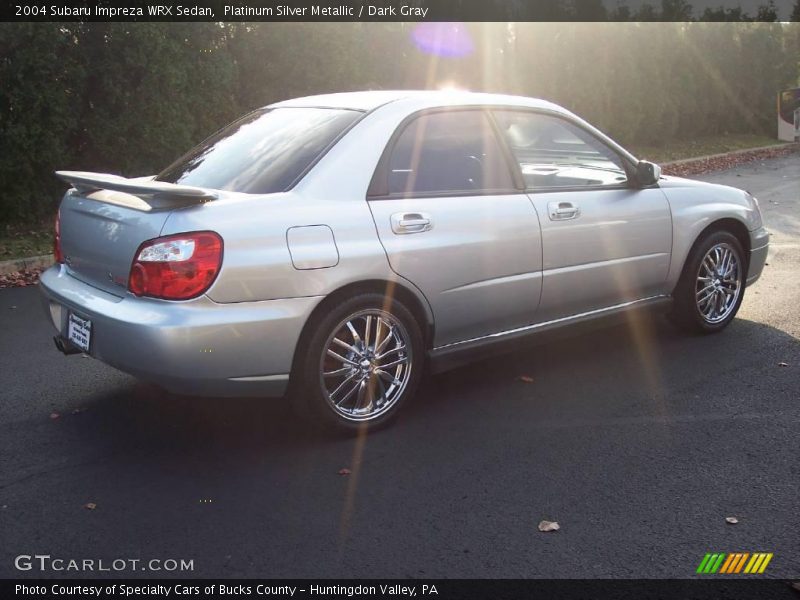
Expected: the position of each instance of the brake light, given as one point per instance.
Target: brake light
(58, 255)
(176, 267)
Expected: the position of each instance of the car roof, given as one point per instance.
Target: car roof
(418, 99)
(407, 102)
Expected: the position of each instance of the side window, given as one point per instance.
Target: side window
(553, 153)
(448, 152)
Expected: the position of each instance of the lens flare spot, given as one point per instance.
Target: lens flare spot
(448, 40)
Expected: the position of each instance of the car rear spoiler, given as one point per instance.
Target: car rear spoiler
(155, 194)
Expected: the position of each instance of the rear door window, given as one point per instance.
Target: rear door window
(446, 153)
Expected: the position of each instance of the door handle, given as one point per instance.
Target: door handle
(561, 211)
(403, 223)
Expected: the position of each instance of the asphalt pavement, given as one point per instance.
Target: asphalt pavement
(638, 440)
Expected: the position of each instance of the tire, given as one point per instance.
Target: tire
(711, 288)
(338, 381)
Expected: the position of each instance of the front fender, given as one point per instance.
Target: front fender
(695, 206)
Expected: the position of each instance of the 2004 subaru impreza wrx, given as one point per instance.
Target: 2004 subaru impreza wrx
(331, 246)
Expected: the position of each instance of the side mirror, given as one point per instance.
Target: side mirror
(647, 173)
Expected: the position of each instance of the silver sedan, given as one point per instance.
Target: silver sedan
(333, 247)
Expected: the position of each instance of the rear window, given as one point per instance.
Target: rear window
(263, 152)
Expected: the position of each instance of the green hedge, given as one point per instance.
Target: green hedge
(129, 98)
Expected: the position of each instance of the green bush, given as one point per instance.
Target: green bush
(129, 98)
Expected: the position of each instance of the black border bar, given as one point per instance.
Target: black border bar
(445, 589)
(329, 10)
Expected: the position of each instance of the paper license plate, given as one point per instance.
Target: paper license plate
(79, 332)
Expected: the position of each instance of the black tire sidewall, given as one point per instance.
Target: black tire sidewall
(309, 398)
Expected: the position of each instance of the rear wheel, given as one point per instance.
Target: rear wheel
(360, 363)
(711, 287)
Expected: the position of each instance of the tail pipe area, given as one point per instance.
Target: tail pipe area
(65, 346)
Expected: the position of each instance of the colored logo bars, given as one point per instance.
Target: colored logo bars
(734, 562)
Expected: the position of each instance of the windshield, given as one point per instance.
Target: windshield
(263, 152)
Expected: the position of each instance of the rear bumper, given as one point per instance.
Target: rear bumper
(759, 244)
(197, 347)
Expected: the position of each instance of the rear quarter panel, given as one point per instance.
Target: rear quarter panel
(257, 263)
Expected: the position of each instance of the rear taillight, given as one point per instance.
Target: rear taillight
(58, 255)
(176, 267)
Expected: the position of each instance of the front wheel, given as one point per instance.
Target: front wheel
(711, 287)
(361, 362)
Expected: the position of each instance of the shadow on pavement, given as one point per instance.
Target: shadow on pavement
(581, 375)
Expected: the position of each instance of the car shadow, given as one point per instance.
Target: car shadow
(641, 358)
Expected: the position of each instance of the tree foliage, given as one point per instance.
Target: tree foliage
(131, 97)
(795, 16)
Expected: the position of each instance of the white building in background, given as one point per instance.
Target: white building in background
(789, 115)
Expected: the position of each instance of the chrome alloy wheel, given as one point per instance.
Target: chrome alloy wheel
(366, 365)
(719, 283)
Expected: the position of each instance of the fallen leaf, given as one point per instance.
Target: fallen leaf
(697, 166)
(549, 526)
(525, 378)
(90, 506)
(731, 520)
(54, 415)
(344, 471)
(20, 278)
(783, 364)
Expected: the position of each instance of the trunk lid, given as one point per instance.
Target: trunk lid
(105, 218)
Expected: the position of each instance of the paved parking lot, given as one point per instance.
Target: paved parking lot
(638, 440)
